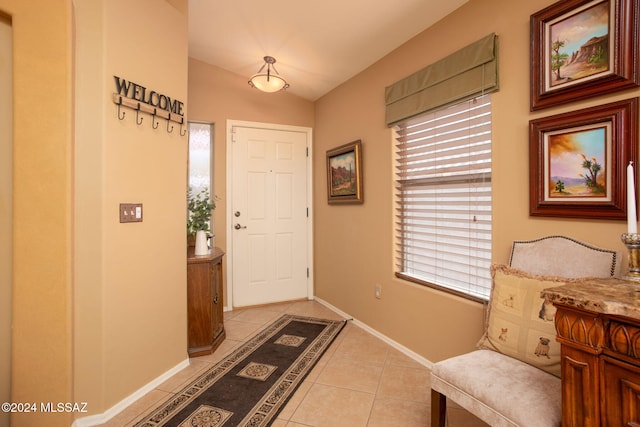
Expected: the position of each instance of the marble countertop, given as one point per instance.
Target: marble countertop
(608, 296)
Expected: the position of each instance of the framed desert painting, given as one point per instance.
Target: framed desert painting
(344, 173)
(583, 48)
(578, 161)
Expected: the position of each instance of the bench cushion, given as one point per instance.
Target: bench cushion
(500, 390)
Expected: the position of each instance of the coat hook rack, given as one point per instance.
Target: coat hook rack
(141, 118)
(154, 123)
(119, 105)
(168, 120)
(181, 125)
(154, 112)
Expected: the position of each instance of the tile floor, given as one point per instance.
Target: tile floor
(360, 380)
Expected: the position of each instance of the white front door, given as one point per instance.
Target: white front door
(269, 214)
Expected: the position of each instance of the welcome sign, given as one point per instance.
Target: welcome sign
(140, 98)
(138, 92)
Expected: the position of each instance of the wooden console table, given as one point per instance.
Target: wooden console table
(205, 326)
(598, 327)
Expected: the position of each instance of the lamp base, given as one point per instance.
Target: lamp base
(632, 242)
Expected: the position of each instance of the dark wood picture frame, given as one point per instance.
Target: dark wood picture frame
(344, 174)
(618, 72)
(563, 142)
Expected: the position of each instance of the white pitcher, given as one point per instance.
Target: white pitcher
(201, 243)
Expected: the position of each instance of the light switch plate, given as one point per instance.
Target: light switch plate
(130, 212)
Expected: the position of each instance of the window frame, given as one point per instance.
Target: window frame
(192, 173)
(406, 180)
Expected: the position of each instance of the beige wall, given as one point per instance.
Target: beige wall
(6, 192)
(216, 96)
(96, 306)
(127, 322)
(89, 351)
(354, 244)
(42, 229)
(130, 291)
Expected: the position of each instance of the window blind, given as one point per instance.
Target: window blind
(443, 205)
(469, 72)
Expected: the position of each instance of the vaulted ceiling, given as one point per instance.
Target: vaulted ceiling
(317, 44)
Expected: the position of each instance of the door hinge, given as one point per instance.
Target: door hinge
(307, 272)
(307, 151)
(233, 134)
(307, 212)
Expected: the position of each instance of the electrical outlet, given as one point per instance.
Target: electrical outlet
(378, 291)
(130, 212)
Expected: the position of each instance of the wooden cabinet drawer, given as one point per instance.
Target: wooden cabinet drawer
(621, 393)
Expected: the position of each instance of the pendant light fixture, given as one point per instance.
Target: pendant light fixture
(269, 81)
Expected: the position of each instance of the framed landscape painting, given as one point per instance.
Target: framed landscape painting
(579, 159)
(344, 173)
(582, 48)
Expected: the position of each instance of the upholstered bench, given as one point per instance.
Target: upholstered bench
(512, 380)
(502, 391)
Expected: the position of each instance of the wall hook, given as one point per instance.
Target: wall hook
(181, 124)
(154, 123)
(137, 113)
(123, 113)
(168, 121)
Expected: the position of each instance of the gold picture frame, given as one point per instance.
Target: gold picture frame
(344, 174)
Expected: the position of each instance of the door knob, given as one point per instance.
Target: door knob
(238, 226)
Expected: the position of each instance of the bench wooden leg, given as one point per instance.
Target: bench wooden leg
(438, 409)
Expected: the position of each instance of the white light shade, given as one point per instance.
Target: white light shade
(267, 82)
(270, 81)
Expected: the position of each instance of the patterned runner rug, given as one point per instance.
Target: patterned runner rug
(251, 385)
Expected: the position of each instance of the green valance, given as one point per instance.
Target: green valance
(465, 74)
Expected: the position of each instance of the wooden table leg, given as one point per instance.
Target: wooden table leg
(438, 409)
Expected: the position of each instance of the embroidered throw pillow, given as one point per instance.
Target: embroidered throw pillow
(520, 323)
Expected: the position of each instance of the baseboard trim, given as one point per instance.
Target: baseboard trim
(97, 419)
(408, 352)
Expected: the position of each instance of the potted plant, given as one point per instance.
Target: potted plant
(200, 207)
